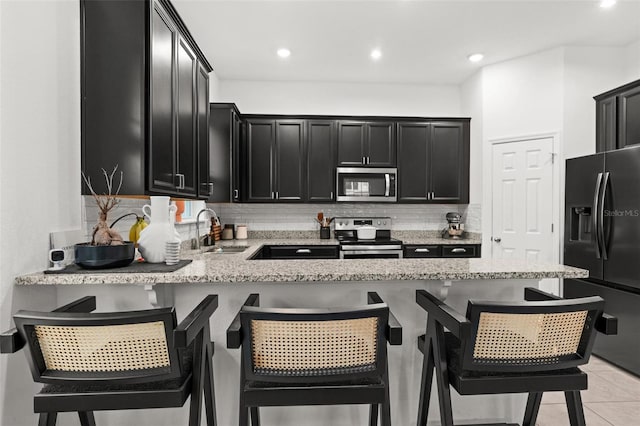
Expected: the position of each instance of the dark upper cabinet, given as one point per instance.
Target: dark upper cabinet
(629, 117)
(618, 117)
(351, 146)
(321, 160)
(433, 162)
(224, 155)
(260, 143)
(380, 144)
(289, 165)
(186, 155)
(205, 189)
(144, 104)
(413, 159)
(275, 163)
(366, 143)
(606, 124)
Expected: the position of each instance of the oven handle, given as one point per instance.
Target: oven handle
(387, 181)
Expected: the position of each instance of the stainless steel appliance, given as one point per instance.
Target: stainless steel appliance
(455, 227)
(380, 247)
(602, 234)
(368, 184)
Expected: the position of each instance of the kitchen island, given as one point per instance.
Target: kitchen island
(313, 283)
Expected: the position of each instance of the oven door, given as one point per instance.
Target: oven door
(366, 184)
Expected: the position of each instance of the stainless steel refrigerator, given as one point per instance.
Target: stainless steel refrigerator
(602, 234)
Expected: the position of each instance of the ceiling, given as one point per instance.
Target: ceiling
(423, 42)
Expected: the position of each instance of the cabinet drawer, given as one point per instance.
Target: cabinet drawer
(459, 251)
(302, 252)
(422, 251)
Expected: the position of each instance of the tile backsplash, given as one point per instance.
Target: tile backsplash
(298, 217)
(301, 217)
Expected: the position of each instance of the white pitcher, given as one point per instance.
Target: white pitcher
(154, 237)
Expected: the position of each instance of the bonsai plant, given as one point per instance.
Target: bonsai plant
(106, 249)
(103, 235)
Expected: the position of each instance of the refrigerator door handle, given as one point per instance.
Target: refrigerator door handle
(595, 214)
(603, 243)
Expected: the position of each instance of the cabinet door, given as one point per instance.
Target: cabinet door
(629, 118)
(261, 136)
(413, 146)
(219, 153)
(380, 146)
(321, 167)
(351, 145)
(236, 164)
(162, 167)
(205, 187)
(289, 160)
(606, 129)
(449, 162)
(187, 148)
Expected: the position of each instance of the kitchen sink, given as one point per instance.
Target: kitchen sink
(225, 249)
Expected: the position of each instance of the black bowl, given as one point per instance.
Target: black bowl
(103, 257)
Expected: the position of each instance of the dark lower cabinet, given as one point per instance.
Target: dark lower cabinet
(618, 117)
(321, 160)
(297, 252)
(433, 162)
(275, 160)
(424, 251)
(144, 98)
(224, 153)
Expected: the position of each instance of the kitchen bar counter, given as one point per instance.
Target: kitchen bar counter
(237, 268)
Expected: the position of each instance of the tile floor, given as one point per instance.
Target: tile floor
(613, 399)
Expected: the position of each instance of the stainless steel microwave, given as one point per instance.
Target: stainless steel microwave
(368, 184)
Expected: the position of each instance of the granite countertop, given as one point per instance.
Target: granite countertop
(236, 268)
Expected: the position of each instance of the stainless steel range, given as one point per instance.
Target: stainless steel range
(381, 246)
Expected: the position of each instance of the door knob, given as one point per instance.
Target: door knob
(497, 239)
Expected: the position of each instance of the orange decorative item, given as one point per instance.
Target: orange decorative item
(180, 210)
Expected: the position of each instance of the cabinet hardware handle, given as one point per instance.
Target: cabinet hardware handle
(273, 195)
(497, 239)
(428, 196)
(210, 188)
(331, 196)
(368, 160)
(458, 250)
(364, 160)
(422, 250)
(180, 177)
(235, 194)
(303, 251)
(277, 195)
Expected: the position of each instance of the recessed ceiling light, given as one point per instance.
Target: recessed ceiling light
(284, 52)
(476, 57)
(606, 4)
(376, 54)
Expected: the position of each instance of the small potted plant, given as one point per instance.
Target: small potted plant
(106, 248)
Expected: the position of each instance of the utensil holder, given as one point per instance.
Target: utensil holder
(325, 232)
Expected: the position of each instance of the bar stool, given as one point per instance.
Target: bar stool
(314, 357)
(533, 347)
(116, 360)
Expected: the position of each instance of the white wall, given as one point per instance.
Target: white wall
(471, 98)
(39, 164)
(633, 61)
(279, 97)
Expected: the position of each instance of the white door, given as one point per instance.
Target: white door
(523, 201)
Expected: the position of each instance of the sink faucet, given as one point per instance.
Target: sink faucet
(197, 241)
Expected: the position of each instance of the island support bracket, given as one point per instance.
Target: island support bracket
(160, 295)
